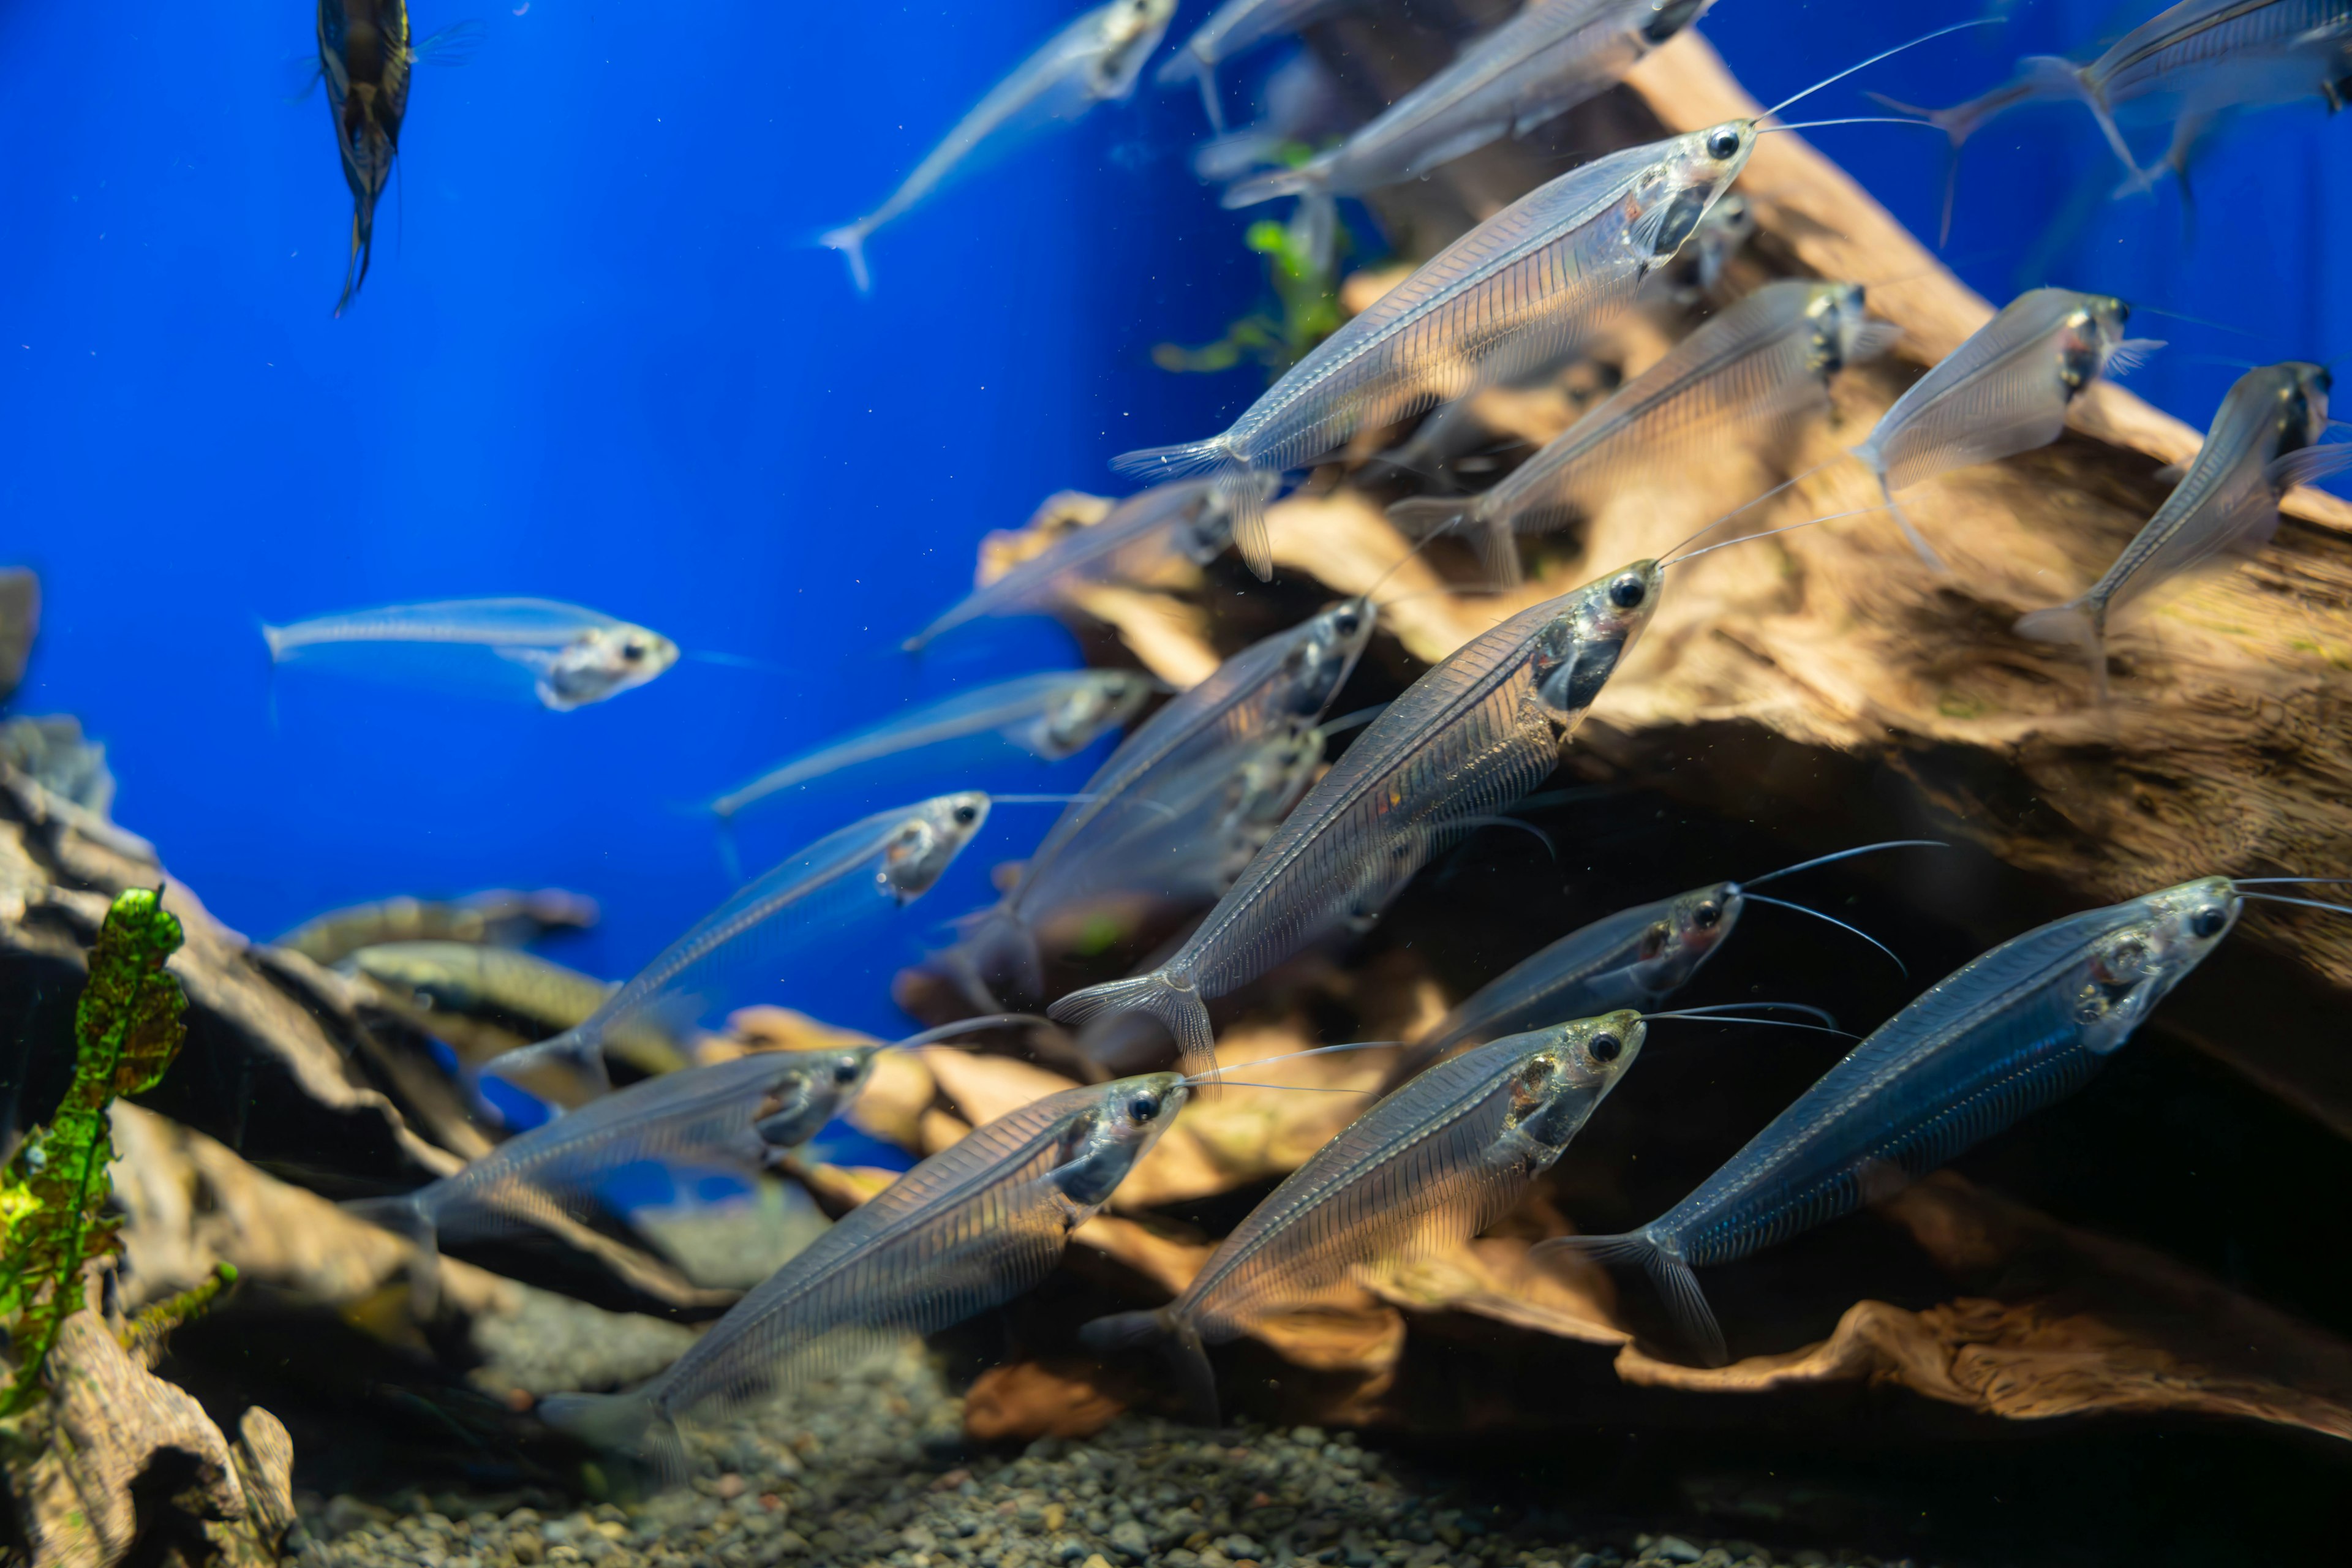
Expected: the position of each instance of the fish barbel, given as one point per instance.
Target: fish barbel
(579, 654)
(1468, 738)
(1423, 1171)
(882, 862)
(1231, 28)
(977, 1224)
(2264, 440)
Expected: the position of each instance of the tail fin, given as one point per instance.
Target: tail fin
(355, 270)
(575, 1048)
(1310, 179)
(1240, 488)
(1315, 228)
(1176, 1340)
(1186, 65)
(850, 240)
(1673, 1277)
(1918, 540)
(629, 1424)
(276, 638)
(402, 1216)
(1175, 1003)
(1420, 517)
(2072, 623)
(2040, 78)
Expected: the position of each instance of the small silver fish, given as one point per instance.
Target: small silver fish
(2004, 391)
(446, 981)
(580, 656)
(2263, 442)
(1052, 715)
(1186, 519)
(1231, 28)
(497, 917)
(883, 862)
(1522, 288)
(2189, 64)
(1766, 360)
(1095, 60)
(1423, 1171)
(977, 1224)
(2020, 1028)
(1468, 738)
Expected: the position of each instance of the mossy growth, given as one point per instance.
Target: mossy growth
(1306, 302)
(54, 1191)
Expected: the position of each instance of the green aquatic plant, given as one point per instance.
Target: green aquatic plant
(1305, 306)
(53, 1190)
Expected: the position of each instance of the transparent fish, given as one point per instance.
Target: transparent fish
(1550, 58)
(577, 654)
(2188, 65)
(725, 1113)
(1301, 104)
(1764, 362)
(1421, 1173)
(1095, 60)
(2004, 391)
(500, 917)
(1727, 227)
(1521, 288)
(1186, 519)
(1053, 715)
(448, 981)
(1287, 680)
(977, 1224)
(880, 863)
(2020, 1027)
(2263, 442)
(1468, 738)
(1231, 28)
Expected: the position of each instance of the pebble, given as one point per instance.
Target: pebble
(868, 1469)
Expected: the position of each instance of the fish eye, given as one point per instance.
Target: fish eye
(1344, 623)
(1723, 143)
(1605, 1048)
(1142, 1107)
(965, 816)
(2207, 922)
(1628, 592)
(845, 1070)
(633, 651)
(1707, 915)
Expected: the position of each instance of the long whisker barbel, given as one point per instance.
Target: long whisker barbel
(1888, 54)
(966, 1027)
(2264, 881)
(1761, 1023)
(1289, 1056)
(1668, 558)
(1709, 1009)
(1807, 909)
(2306, 903)
(1848, 855)
(1848, 120)
(1833, 517)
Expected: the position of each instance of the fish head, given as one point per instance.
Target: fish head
(1674, 195)
(1662, 19)
(1278, 774)
(2131, 967)
(2088, 336)
(1131, 30)
(1323, 653)
(2303, 406)
(606, 661)
(808, 1090)
(1103, 700)
(1118, 1125)
(1689, 928)
(1577, 650)
(1571, 1068)
(920, 848)
(1842, 332)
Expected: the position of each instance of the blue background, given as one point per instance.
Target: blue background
(598, 359)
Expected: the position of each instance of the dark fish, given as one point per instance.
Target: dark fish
(497, 917)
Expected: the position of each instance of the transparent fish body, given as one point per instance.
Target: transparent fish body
(1053, 715)
(1231, 28)
(1095, 60)
(1421, 1173)
(1302, 102)
(871, 867)
(2019, 1028)
(2004, 391)
(1184, 519)
(579, 654)
(470, 979)
(1523, 288)
(1764, 362)
(1636, 958)
(1467, 738)
(2264, 440)
(975, 1224)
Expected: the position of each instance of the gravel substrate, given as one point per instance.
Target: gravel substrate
(870, 1468)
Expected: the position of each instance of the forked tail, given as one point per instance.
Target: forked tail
(850, 240)
(1240, 488)
(355, 270)
(2040, 79)
(1175, 1003)
(404, 1216)
(629, 1424)
(1311, 179)
(576, 1050)
(2075, 623)
(1424, 517)
(1188, 66)
(1918, 540)
(1176, 1340)
(1673, 1277)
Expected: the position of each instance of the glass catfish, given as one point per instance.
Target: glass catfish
(2023, 1026)
(2265, 439)
(577, 655)
(1466, 740)
(1095, 60)
(977, 1224)
(880, 863)
(2004, 391)
(1423, 1171)
(1231, 28)
(1522, 288)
